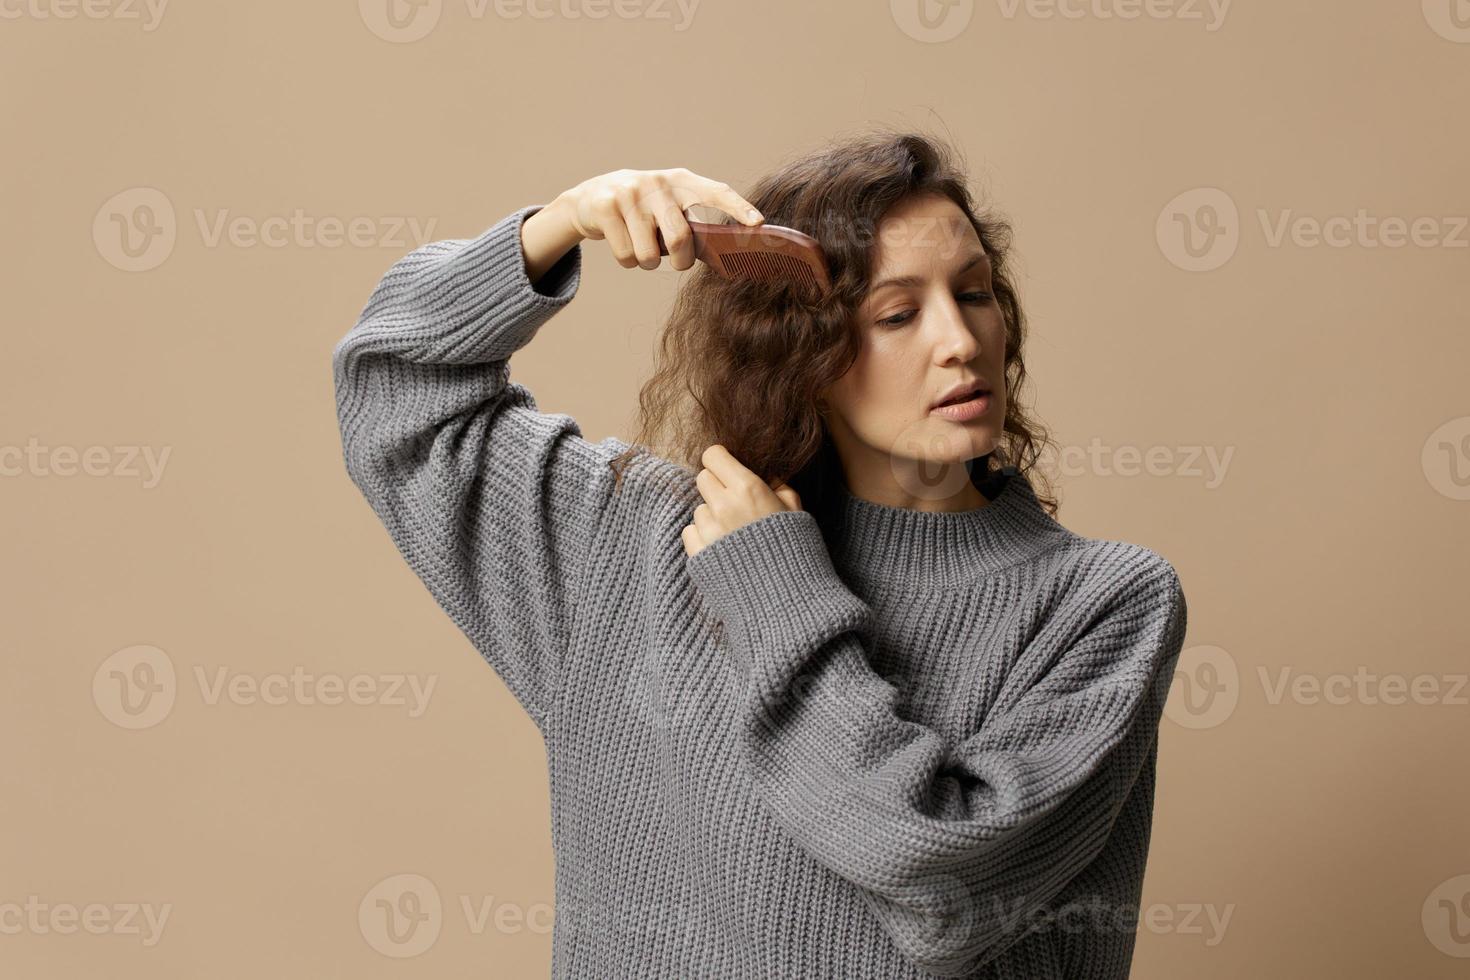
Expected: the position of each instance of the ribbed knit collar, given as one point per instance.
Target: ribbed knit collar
(886, 543)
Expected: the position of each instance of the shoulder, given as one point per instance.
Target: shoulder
(646, 496)
(1128, 601)
(647, 473)
(1111, 573)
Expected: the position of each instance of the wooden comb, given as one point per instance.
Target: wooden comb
(766, 252)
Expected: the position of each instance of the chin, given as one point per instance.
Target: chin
(945, 449)
(984, 438)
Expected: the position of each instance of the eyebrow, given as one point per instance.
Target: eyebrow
(976, 258)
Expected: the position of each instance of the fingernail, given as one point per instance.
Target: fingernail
(753, 214)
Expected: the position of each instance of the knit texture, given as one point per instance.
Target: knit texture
(926, 750)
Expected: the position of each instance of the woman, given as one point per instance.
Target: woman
(848, 701)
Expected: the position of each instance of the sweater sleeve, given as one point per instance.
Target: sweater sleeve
(954, 846)
(492, 503)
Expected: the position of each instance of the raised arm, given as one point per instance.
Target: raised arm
(492, 503)
(954, 846)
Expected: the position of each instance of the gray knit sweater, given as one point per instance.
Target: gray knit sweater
(927, 751)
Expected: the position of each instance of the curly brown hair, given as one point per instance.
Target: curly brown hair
(754, 356)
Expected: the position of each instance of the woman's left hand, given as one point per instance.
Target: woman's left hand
(733, 497)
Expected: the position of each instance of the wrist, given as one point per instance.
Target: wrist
(547, 236)
(562, 211)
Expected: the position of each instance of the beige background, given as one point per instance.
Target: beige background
(1297, 834)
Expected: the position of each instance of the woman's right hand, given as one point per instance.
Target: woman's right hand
(626, 207)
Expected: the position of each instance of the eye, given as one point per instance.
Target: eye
(899, 319)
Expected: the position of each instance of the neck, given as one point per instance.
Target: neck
(966, 497)
(882, 542)
(916, 486)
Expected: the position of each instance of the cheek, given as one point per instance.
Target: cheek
(885, 405)
(887, 380)
(993, 334)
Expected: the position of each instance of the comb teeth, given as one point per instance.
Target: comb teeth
(767, 265)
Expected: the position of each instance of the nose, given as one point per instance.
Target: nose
(955, 342)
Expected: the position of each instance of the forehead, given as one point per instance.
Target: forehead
(922, 232)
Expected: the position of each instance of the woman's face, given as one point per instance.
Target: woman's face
(935, 327)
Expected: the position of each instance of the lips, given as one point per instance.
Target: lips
(962, 392)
